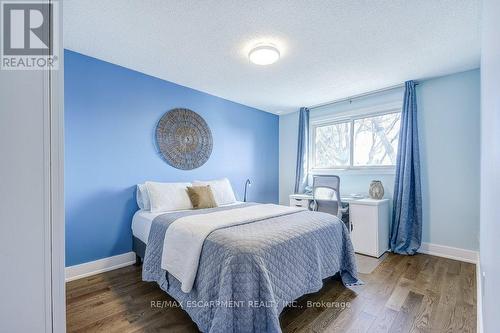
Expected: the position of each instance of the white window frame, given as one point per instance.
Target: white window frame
(349, 117)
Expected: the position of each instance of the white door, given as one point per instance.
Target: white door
(31, 201)
(364, 228)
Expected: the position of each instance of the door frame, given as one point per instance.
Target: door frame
(54, 127)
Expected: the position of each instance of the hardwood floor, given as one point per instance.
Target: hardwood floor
(421, 293)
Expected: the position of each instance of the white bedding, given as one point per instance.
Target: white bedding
(141, 222)
(185, 237)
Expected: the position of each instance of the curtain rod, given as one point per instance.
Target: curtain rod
(350, 98)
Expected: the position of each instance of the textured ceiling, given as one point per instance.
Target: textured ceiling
(330, 49)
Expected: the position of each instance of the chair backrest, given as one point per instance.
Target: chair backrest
(326, 194)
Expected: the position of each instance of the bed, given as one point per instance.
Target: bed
(247, 270)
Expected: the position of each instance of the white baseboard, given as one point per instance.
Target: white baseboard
(449, 252)
(479, 296)
(99, 266)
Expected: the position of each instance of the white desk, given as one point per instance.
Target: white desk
(303, 200)
(369, 220)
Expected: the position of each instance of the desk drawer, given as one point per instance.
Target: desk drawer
(299, 202)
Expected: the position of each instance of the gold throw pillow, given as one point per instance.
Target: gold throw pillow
(201, 197)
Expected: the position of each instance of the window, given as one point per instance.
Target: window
(356, 142)
(376, 140)
(333, 146)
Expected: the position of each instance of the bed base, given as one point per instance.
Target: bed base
(139, 247)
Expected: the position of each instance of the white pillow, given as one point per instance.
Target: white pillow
(223, 192)
(166, 197)
(141, 195)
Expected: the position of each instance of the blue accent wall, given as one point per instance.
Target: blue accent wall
(110, 117)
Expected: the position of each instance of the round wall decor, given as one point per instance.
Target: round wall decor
(184, 139)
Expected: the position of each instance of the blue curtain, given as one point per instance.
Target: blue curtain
(406, 232)
(302, 151)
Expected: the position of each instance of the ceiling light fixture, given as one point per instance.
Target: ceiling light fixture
(264, 54)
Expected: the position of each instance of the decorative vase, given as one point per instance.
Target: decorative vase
(376, 190)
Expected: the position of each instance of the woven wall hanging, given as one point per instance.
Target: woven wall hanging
(183, 139)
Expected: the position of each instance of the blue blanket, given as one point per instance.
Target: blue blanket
(248, 273)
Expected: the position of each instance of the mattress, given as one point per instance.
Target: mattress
(141, 224)
(142, 220)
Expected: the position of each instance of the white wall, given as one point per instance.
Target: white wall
(448, 115)
(31, 223)
(25, 271)
(490, 165)
(287, 154)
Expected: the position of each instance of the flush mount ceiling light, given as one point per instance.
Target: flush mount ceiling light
(264, 54)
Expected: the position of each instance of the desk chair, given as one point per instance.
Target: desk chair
(326, 195)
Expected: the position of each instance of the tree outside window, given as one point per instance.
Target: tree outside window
(370, 141)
